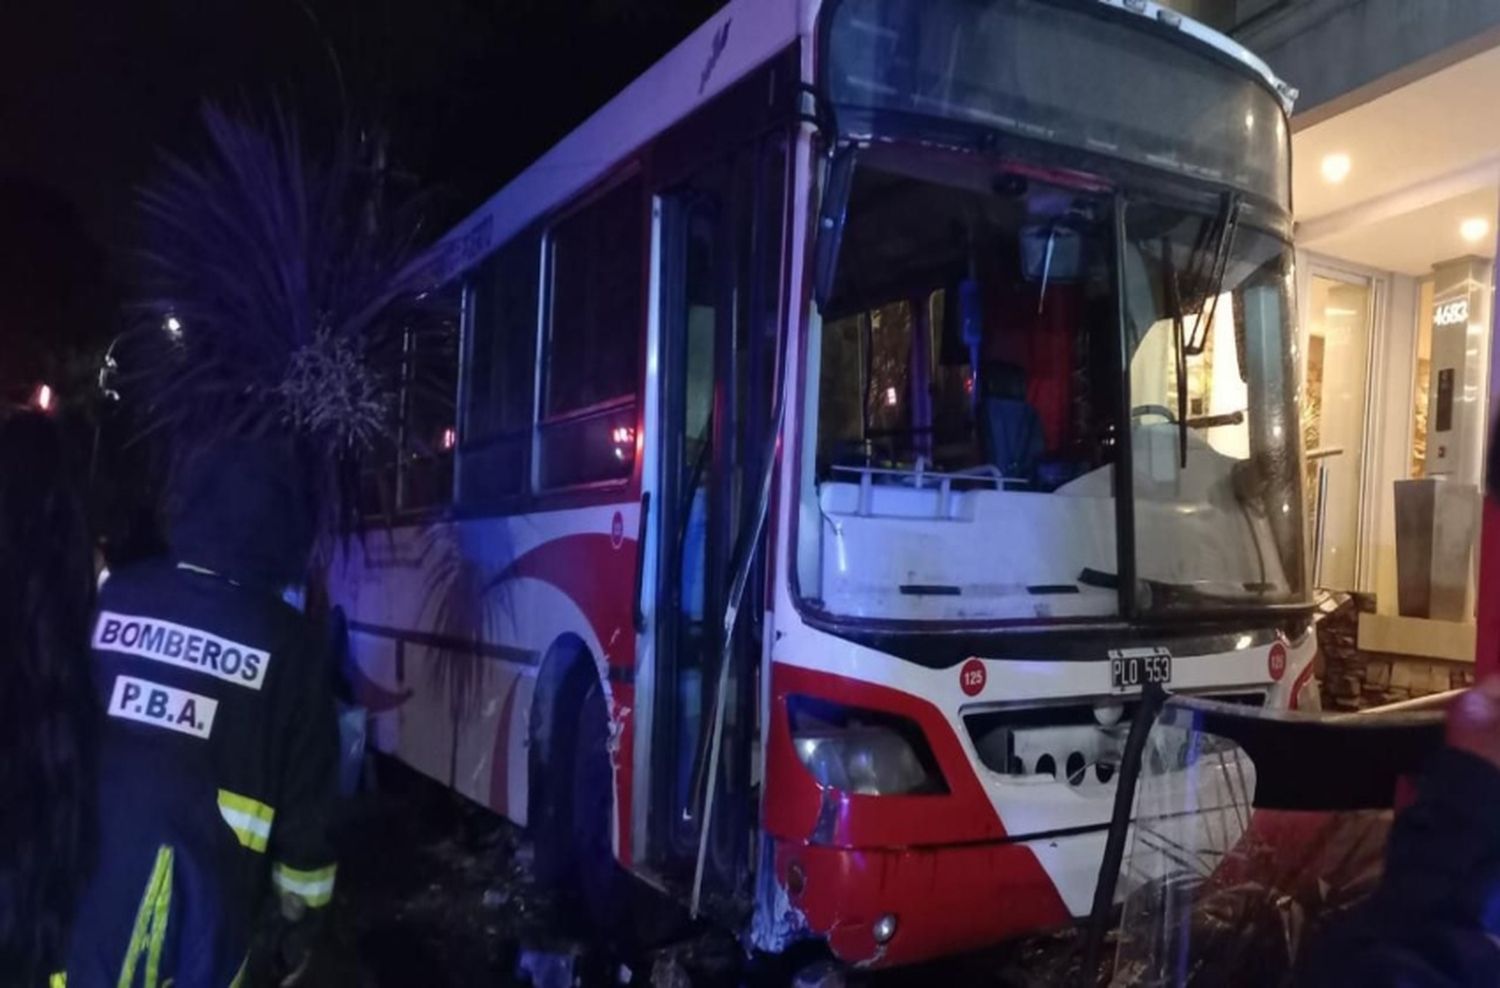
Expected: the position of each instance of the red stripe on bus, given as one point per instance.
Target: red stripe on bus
(597, 575)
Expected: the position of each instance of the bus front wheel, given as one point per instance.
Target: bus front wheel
(600, 883)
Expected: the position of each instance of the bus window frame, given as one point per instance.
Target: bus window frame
(522, 433)
(630, 170)
(762, 103)
(393, 514)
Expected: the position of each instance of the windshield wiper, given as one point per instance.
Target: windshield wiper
(1221, 234)
(1224, 226)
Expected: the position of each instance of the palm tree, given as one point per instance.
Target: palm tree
(275, 284)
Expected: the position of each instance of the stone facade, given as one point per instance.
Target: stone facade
(1356, 680)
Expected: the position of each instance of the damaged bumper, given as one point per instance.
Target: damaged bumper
(883, 908)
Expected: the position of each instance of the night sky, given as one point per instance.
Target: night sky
(470, 91)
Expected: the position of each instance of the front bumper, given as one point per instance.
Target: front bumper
(945, 900)
(990, 859)
(940, 864)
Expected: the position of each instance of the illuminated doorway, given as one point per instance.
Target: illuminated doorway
(1335, 415)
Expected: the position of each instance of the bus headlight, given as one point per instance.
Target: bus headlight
(865, 752)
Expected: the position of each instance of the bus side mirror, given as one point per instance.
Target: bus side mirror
(831, 216)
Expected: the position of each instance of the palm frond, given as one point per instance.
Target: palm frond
(275, 279)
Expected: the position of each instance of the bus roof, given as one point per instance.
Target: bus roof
(1214, 39)
(725, 48)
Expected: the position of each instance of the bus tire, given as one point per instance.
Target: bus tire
(603, 887)
(550, 820)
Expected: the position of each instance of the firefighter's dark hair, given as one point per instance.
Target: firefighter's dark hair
(47, 705)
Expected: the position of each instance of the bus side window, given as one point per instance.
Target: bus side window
(429, 385)
(410, 468)
(593, 338)
(501, 374)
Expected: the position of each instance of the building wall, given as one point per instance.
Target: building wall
(1331, 49)
(1340, 53)
(1343, 54)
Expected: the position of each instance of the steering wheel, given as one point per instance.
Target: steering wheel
(1141, 411)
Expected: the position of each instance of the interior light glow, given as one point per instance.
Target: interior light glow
(1336, 167)
(1474, 229)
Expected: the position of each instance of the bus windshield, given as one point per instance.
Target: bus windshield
(1214, 436)
(965, 420)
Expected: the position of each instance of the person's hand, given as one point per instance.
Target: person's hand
(286, 943)
(1474, 721)
(295, 952)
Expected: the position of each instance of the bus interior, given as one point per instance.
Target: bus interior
(969, 408)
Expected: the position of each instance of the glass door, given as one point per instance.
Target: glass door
(1335, 413)
(721, 264)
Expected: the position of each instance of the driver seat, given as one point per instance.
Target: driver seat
(1010, 427)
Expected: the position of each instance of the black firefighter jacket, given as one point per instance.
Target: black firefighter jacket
(218, 775)
(219, 760)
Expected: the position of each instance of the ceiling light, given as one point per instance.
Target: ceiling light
(1336, 168)
(1474, 229)
(1333, 312)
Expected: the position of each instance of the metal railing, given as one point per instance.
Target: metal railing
(1320, 507)
(919, 477)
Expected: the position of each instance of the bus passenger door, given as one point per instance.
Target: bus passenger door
(718, 336)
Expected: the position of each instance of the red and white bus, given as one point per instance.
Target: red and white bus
(851, 417)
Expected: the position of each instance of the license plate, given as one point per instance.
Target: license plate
(1133, 668)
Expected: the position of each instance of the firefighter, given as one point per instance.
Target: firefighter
(219, 739)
